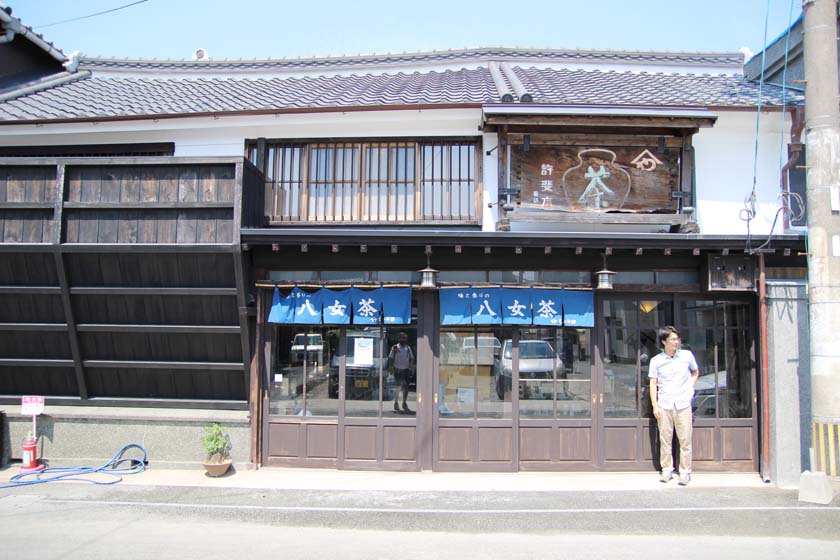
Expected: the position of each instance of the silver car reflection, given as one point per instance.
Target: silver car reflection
(538, 364)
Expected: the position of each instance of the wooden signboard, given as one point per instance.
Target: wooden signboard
(596, 178)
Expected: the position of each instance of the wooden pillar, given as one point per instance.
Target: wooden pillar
(64, 285)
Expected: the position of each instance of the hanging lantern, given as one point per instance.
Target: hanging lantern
(604, 277)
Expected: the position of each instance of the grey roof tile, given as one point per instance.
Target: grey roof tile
(455, 55)
(563, 86)
(96, 97)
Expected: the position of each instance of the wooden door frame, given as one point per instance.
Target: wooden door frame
(476, 424)
(380, 423)
(559, 423)
(645, 427)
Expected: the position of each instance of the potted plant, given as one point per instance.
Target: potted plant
(217, 447)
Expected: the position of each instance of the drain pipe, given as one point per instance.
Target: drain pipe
(798, 118)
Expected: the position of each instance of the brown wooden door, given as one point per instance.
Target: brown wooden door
(556, 423)
(626, 342)
(528, 410)
(380, 404)
(474, 426)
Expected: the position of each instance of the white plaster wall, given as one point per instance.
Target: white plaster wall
(724, 153)
(490, 179)
(225, 135)
(724, 158)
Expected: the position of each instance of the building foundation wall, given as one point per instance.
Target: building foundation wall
(790, 381)
(90, 436)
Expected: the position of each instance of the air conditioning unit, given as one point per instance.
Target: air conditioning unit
(731, 273)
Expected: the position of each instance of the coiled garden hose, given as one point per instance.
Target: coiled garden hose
(115, 468)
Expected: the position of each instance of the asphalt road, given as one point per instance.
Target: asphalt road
(61, 520)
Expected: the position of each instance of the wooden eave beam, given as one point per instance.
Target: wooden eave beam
(582, 139)
(175, 366)
(600, 121)
(134, 402)
(596, 218)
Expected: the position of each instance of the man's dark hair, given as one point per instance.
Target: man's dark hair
(665, 332)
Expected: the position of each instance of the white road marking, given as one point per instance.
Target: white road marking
(443, 511)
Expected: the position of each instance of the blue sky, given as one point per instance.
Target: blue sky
(278, 28)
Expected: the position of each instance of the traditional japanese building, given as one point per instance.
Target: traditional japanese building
(244, 241)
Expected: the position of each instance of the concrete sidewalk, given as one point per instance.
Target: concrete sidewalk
(329, 479)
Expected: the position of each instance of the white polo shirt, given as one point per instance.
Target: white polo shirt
(674, 386)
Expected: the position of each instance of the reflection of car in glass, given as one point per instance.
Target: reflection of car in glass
(361, 367)
(703, 403)
(537, 362)
(486, 350)
(309, 345)
(483, 342)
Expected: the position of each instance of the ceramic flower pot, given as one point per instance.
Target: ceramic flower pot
(217, 469)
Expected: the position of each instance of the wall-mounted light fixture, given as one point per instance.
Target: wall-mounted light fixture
(604, 277)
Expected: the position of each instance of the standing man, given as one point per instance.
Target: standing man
(401, 360)
(672, 374)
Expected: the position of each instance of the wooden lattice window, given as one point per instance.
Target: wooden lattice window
(371, 182)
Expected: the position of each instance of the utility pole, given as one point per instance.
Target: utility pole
(822, 139)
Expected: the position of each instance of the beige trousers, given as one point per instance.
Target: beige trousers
(670, 420)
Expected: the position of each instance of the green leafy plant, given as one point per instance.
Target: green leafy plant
(216, 443)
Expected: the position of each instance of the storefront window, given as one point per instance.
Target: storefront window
(554, 373)
(293, 275)
(462, 276)
(301, 382)
(395, 276)
(676, 277)
(567, 276)
(514, 276)
(343, 276)
(472, 373)
(634, 277)
(735, 395)
(702, 343)
(697, 313)
(381, 372)
(630, 341)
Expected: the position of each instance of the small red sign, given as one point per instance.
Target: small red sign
(31, 405)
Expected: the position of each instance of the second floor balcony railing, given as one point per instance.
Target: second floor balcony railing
(406, 182)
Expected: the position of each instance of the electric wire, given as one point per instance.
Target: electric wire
(113, 468)
(784, 198)
(749, 212)
(89, 15)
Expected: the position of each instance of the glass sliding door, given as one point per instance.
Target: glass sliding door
(475, 377)
(720, 332)
(629, 334)
(302, 380)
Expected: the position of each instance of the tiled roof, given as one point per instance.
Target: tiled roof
(562, 86)
(455, 55)
(114, 97)
(96, 97)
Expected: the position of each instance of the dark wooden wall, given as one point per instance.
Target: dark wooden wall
(27, 197)
(122, 280)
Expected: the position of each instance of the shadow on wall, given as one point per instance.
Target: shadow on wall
(803, 373)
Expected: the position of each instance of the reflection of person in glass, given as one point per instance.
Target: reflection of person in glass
(400, 362)
(672, 375)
